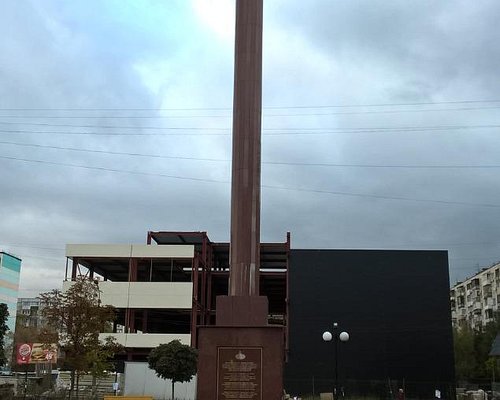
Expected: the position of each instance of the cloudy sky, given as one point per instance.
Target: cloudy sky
(380, 125)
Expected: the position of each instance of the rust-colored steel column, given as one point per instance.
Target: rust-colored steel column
(245, 185)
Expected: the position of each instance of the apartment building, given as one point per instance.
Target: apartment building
(29, 312)
(475, 301)
(10, 271)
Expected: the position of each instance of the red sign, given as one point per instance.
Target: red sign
(35, 353)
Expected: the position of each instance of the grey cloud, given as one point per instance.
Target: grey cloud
(448, 40)
(316, 52)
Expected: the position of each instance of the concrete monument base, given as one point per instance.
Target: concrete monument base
(240, 361)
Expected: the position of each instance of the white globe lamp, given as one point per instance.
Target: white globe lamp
(344, 336)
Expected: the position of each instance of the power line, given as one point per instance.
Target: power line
(423, 103)
(384, 166)
(319, 191)
(115, 133)
(414, 244)
(374, 196)
(43, 257)
(473, 259)
(435, 127)
(113, 152)
(384, 111)
(110, 126)
(112, 116)
(229, 116)
(31, 246)
(266, 131)
(265, 107)
(378, 246)
(114, 170)
(285, 163)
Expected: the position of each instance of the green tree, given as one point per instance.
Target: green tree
(99, 360)
(174, 361)
(465, 358)
(483, 341)
(472, 348)
(492, 368)
(4, 314)
(74, 319)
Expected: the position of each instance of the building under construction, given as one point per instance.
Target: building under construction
(168, 287)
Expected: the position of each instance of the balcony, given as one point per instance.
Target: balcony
(488, 285)
(489, 302)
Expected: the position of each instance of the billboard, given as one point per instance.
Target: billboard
(36, 353)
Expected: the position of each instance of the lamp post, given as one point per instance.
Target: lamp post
(343, 337)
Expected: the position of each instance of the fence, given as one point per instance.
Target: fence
(55, 387)
(371, 389)
(6, 391)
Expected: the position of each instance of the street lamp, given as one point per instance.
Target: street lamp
(343, 337)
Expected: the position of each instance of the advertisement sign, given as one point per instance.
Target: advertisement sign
(35, 353)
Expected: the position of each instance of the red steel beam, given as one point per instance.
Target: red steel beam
(194, 308)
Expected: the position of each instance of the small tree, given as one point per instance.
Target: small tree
(4, 314)
(99, 360)
(465, 358)
(74, 319)
(174, 361)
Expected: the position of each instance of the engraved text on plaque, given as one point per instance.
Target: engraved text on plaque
(239, 373)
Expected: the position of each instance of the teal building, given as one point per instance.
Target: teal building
(10, 270)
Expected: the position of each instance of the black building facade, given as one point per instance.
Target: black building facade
(395, 307)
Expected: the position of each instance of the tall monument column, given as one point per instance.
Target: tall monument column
(241, 356)
(246, 162)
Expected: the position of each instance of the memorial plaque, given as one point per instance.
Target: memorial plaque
(239, 373)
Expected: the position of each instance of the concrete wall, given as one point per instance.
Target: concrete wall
(140, 380)
(129, 250)
(145, 294)
(146, 340)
